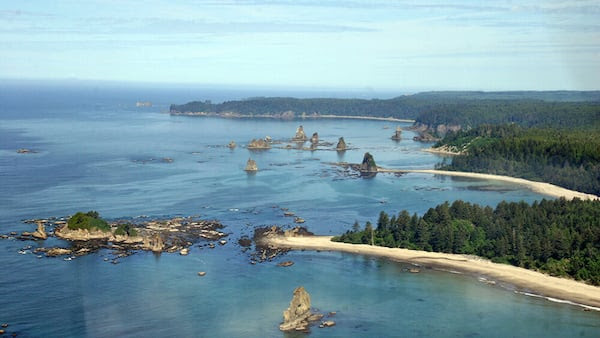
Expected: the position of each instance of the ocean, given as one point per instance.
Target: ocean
(95, 150)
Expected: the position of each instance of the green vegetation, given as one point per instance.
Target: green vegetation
(89, 221)
(126, 229)
(557, 236)
(558, 109)
(568, 158)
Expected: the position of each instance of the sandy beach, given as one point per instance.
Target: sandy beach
(539, 187)
(524, 280)
(391, 119)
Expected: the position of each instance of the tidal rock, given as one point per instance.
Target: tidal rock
(258, 144)
(40, 233)
(315, 138)
(327, 323)
(268, 139)
(184, 251)
(202, 273)
(231, 145)
(57, 252)
(397, 135)
(300, 136)
(341, 145)
(222, 242)
(299, 220)
(286, 264)
(368, 164)
(297, 314)
(251, 166)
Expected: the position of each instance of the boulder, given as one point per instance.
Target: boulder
(154, 243)
(231, 145)
(184, 251)
(341, 145)
(258, 144)
(202, 273)
(368, 164)
(300, 136)
(251, 166)
(327, 323)
(286, 264)
(297, 314)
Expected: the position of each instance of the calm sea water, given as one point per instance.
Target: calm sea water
(96, 150)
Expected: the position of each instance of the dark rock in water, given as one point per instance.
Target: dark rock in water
(251, 166)
(258, 144)
(368, 165)
(286, 264)
(397, 135)
(300, 136)
(315, 138)
(245, 241)
(297, 314)
(341, 145)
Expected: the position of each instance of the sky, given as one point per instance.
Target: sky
(377, 45)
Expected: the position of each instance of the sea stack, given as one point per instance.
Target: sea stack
(297, 315)
(315, 138)
(397, 135)
(300, 136)
(251, 166)
(258, 144)
(368, 165)
(341, 146)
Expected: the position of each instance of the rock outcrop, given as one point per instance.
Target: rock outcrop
(341, 145)
(259, 144)
(425, 137)
(40, 233)
(82, 234)
(397, 135)
(154, 243)
(297, 314)
(300, 135)
(251, 166)
(368, 165)
(231, 145)
(315, 138)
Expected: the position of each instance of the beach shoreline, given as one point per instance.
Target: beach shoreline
(539, 187)
(528, 282)
(229, 115)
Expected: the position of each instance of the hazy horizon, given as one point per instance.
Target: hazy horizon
(369, 46)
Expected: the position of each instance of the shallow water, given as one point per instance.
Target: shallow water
(100, 152)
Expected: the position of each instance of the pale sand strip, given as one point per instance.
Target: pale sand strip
(391, 119)
(539, 187)
(523, 279)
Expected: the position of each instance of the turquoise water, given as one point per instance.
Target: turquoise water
(98, 151)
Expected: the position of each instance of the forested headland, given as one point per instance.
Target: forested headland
(559, 237)
(558, 109)
(565, 157)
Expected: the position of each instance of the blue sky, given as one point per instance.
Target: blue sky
(377, 45)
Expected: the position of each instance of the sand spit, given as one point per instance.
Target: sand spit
(526, 281)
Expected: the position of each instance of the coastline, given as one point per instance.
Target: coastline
(539, 187)
(528, 282)
(442, 151)
(282, 117)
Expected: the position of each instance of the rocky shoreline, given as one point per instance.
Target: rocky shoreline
(157, 235)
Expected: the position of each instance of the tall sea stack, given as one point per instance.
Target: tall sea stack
(300, 135)
(397, 135)
(341, 146)
(296, 316)
(368, 165)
